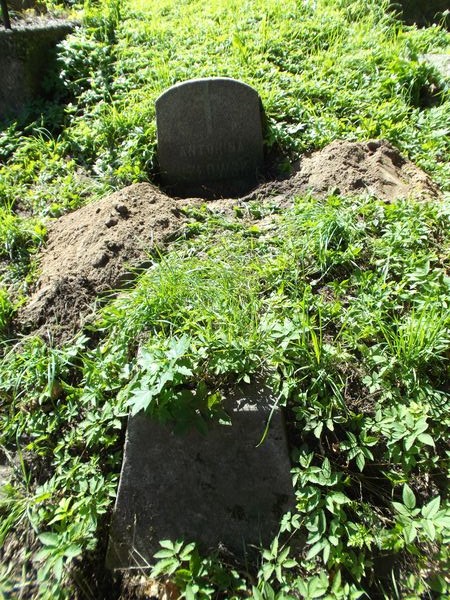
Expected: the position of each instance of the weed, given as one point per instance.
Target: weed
(342, 306)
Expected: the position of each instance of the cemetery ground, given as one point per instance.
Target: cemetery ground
(330, 282)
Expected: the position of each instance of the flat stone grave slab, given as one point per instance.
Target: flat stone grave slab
(210, 141)
(218, 489)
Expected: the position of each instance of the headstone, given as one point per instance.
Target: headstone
(219, 489)
(210, 139)
(27, 57)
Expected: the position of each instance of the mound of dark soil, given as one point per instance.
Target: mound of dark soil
(94, 249)
(345, 168)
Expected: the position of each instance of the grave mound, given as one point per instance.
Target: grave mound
(93, 250)
(346, 168)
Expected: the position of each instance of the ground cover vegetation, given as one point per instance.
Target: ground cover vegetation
(341, 304)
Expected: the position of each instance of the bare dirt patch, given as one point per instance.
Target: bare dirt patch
(94, 249)
(346, 168)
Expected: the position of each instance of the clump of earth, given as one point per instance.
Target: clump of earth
(93, 250)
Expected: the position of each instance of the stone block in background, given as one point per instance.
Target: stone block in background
(27, 58)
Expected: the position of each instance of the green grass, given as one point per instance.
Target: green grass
(342, 305)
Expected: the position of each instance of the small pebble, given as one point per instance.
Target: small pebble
(122, 209)
(100, 261)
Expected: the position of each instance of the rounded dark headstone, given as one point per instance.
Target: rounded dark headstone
(210, 139)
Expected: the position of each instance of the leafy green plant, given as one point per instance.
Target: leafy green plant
(275, 561)
(6, 311)
(429, 522)
(194, 576)
(341, 305)
(57, 552)
(421, 337)
(160, 372)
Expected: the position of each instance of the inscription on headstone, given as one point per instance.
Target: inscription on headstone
(209, 137)
(217, 488)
